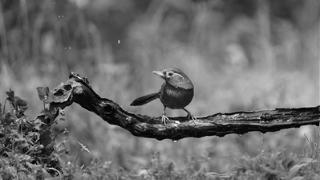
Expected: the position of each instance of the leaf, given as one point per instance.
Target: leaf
(8, 118)
(37, 124)
(24, 157)
(295, 169)
(298, 178)
(43, 93)
(0, 111)
(83, 147)
(308, 160)
(33, 166)
(21, 104)
(18, 103)
(2, 132)
(10, 95)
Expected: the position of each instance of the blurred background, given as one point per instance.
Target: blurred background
(241, 55)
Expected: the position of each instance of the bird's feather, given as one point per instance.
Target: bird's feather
(145, 99)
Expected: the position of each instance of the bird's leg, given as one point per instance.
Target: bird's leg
(164, 118)
(190, 116)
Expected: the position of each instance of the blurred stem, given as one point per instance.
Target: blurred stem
(4, 106)
(3, 35)
(264, 27)
(25, 24)
(36, 31)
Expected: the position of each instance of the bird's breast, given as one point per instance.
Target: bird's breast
(175, 97)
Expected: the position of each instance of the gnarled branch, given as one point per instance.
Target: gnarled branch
(78, 90)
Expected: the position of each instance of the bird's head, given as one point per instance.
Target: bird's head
(175, 77)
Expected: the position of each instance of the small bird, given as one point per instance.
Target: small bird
(175, 93)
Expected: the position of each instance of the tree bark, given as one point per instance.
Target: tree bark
(77, 89)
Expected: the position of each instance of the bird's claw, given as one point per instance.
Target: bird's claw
(164, 119)
(191, 117)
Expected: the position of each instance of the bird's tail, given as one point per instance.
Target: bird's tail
(145, 99)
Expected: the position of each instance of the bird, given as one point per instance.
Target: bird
(176, 92)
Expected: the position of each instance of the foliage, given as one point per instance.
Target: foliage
(24, 154)
(278, 165)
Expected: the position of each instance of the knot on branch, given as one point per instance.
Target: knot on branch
(63, 90)
(107, 108)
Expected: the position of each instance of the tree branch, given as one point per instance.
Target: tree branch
(78, 90)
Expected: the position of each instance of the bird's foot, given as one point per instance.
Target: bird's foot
(191, 117)
(164, 119)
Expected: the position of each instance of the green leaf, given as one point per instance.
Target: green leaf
(21, 105)
(298, 178)
(37, 124)
(18, 103)
(0, 111)
(10, 95)
(295, 169)
(43, 93)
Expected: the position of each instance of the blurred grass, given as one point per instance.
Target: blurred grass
(241, 56)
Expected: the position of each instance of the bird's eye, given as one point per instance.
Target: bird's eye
(170, 73)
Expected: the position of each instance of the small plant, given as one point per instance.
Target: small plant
(22, 152)
(278, 165)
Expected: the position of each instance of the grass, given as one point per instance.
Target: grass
(25, 154)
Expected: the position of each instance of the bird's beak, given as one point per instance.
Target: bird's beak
(159, 73)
